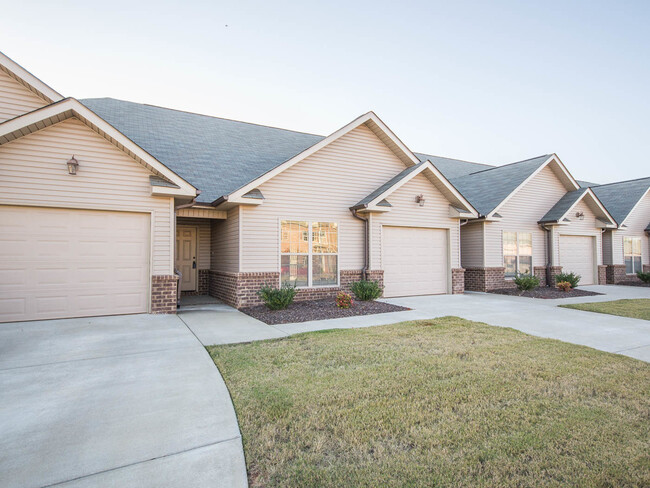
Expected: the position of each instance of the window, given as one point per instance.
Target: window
(632, 253)
(517, 253)
(309, 253)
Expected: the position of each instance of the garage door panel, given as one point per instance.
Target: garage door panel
(69, 263)
(577, 256)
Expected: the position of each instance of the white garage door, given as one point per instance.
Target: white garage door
(577, 256)
(414, 261)
(58, 263)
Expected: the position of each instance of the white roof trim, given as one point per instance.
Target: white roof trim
(16, 125)
(638, 202)
(552, 157)
(31, 80)
(596, 201)
(370, 116)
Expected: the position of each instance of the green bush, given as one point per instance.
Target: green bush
(277, 298)
(645, 277)
(526, 282)
(572, 278)
(366, 290)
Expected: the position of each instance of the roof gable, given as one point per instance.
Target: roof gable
(453, 168)
(622, 197)
(28, 80)
(558, 213)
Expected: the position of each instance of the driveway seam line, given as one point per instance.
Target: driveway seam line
(142, 462)
(632, 348)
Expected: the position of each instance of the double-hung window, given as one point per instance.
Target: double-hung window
(632, 253)
(309, 253)
(517, 253)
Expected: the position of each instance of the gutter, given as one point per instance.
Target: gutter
(366, 240)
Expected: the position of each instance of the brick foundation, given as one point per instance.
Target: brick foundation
(554, 270)
(457, 281)
(616, 273)
(540, 272)
(204, 281)
(646, 268)
(602, 274)
(486, 279)
(163, 293)
(240, 289)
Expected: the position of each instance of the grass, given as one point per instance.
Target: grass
(444, 402)
(637, 309)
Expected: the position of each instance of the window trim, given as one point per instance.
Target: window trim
(640, 255)
(503, 254)
(310, 254)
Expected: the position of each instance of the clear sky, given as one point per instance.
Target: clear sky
(491, 82)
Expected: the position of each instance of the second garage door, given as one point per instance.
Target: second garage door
(57, 263)
(577, 256)
(414, 261)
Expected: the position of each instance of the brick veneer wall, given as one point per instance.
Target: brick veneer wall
(554, 270)
(485, 279)
(540, 272)
(457, 281)
(204, 281)
(646, 268)
(616, 273)
(240, 289)
(602, 274)
(163, 293)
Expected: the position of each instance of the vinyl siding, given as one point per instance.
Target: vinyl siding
(472, 244)
(407, 213)
(203, 238)
(16, 99)
(225, 243)
(521, 214)
(33, 172)
(635, 225)
(322, 187)
(586, 227)
(607, 247)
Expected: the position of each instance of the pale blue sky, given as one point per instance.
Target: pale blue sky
(491, 82)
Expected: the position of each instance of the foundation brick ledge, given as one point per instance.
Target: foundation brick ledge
(164, 293)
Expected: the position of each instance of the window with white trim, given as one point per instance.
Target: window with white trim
(309, 253)
(517, 253)
(632, 254)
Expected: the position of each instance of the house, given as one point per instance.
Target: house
(626, 249)
(102, 200)
(534, 218)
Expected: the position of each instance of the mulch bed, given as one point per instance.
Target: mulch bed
(304, 311)
(634, 283)
(545, 293)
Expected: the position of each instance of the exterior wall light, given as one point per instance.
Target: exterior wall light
(73, 164)
(580, 215)
(420, 200)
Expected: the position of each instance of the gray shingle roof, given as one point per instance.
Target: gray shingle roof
(563, 205)
(486, 189)
(620, 198)
(453, 168)
(394, 180)
(586, 184)
(217, 156)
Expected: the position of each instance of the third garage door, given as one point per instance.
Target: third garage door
(414, 261)
(577, 256)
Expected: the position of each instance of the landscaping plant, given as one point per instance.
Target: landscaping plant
(366, 290)
(526, 282)
(572, 278)
(645, 277)
(344, 300)
(277, 298)
(564, 285)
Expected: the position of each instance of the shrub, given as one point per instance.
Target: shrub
(366, 290)
(277, 298)
(563, 285)
(344, 300)
(572, 278)
(526, 282)
(645, 277)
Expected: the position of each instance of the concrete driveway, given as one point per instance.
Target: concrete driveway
(114, 401)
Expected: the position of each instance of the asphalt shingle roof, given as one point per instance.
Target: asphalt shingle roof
(217, 156)
(394, 180)
(453, 168)
(620, 198)
(563, 205)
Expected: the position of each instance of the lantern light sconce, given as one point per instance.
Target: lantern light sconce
(580, 215)
(73, 164)
(420, 200)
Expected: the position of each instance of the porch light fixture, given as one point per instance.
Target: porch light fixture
(580, 215)
(73, 164)
(420, 200)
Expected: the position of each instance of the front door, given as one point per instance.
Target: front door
(186, 257)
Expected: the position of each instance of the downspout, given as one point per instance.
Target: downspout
(366, 240)
(549, 254)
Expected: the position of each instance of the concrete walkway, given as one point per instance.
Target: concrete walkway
(128, 401)
(630, 337)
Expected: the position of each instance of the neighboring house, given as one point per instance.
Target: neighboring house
(626, 249)
(101, 200)
(534, 218)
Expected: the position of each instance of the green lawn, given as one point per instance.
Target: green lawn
(637, 309)
(444, 402)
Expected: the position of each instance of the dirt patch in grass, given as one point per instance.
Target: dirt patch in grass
(444, 402)
(545, 292)
(634, 308)
(304, 311)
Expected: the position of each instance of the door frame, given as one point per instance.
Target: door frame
(196, 253)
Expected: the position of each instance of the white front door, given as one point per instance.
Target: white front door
(186, 257)
(577, 256)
